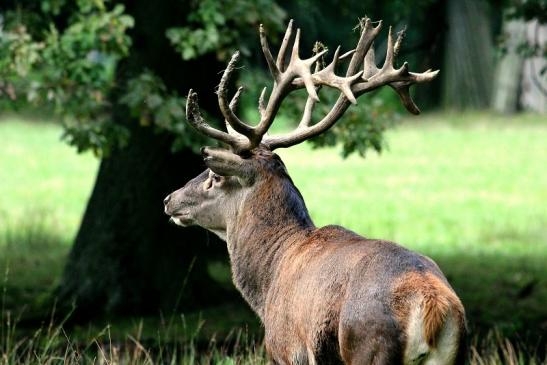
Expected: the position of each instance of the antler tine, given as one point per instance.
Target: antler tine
(399, 41)
(283, 49)
(195, 119)
(403, 88)
(310, 102)
(276, 73)
(225, 108)
(297, 67)
(261, 103)
(399, 79)
(235, 98)
(388, 63)
(347, 54)
(328, 77)
(233, 106)
(303, 67)
(295, 47)
(368, 34)
(334, 61)
(308, 112)
(369, 64)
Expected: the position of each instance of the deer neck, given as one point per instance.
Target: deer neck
(269, 221)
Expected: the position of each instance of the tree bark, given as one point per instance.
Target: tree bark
(469, 55)
(534, 76)
(126, 257)
(509, 70)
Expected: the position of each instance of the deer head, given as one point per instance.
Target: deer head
(235, 174)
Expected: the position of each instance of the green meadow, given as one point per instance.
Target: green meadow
(468, 190)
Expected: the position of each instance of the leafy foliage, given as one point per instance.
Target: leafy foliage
(218, 26)
(527, 10)
(151, 103)
(64, 56)
(70, 70)
(362, 127)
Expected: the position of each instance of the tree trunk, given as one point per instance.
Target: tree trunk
(126, 257)
(534, 76)
(469, 55)
(509, 70)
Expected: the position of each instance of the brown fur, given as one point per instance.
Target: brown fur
(325, 295)
(437, 299)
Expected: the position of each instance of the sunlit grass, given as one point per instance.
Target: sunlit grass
(443, 184)
(44, 186)
(41, 178)
(468, 190)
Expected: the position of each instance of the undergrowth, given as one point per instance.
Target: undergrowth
(53, 343)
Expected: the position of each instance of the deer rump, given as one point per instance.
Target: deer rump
(341, 298)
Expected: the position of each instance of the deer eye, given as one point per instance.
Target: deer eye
(216, 178)
(208, 184)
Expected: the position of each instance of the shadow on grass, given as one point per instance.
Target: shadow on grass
(507, 293)
(503, 292)
(32, 257)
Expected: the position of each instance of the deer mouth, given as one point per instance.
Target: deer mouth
(181, 219)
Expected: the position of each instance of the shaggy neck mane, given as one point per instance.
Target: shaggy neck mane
(262, 232)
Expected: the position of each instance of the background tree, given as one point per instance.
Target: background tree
(522, 53)
(469, 56)
(115, 74)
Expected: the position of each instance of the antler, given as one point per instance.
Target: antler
(355, 84)
(296, 75)
(238, 132)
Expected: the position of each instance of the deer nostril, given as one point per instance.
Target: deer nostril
(166, 200)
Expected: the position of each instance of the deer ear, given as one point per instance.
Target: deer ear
(226, 163)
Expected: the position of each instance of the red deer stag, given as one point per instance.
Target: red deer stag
(325, 295)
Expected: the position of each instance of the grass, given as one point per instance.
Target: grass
(468, 190)
(44, 186)
(42, 179)
(51, 344)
